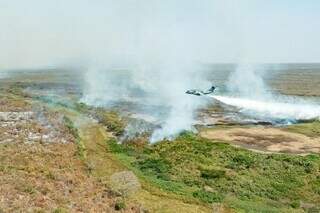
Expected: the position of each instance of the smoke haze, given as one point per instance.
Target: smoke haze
(247, 81)
(38, 33)
(152, 51)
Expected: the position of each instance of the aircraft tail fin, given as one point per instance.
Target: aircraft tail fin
(212, 89)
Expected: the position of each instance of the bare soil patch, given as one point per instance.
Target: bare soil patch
(267, 139)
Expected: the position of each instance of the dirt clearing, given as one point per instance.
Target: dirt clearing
(267, 139)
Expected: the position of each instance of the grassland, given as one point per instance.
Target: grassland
(309, 129)
(210, 172)
(189, 174)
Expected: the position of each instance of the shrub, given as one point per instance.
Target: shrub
(112, 121)
(119, 205)
(212, 173)
(295, 204)
(242, 161)
(75, 133)
(59, 210)
(208, 197)
(82, 107)
(71, 128)
(155, 167)
(115, 147)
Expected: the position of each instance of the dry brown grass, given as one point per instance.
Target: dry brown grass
(37, 177)
(11, 104)
(46, 176)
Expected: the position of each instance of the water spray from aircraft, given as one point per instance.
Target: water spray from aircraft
(249, 93)
(286, 111)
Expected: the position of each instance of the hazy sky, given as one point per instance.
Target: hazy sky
(37, 33)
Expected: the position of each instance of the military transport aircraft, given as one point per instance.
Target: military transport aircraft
(200, 92)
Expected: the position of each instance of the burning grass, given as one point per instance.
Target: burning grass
(108, 118)
(111, 120)
(23, 122)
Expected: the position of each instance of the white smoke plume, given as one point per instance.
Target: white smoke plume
(161, 63)
(247, 81)
(160, 86)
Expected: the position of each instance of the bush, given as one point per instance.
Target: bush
(75, 133)
(242, 161)
(82, 107)
(59, 210)
(212, 173)
(155, 167)
(112, 121)
(115, 147)
(208, 197)
(295, 204)
(71, 128)
(119, 205)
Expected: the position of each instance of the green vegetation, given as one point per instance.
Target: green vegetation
(74, 131)
(111, 120)
(308, 129)
(212, 173)
(120, 205)
(200, 171)
(59, 210)
(108, 118)
(208, 197)
(17, 89)
(82, 107)
(204, 171)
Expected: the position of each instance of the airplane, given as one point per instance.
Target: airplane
(200, 92)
